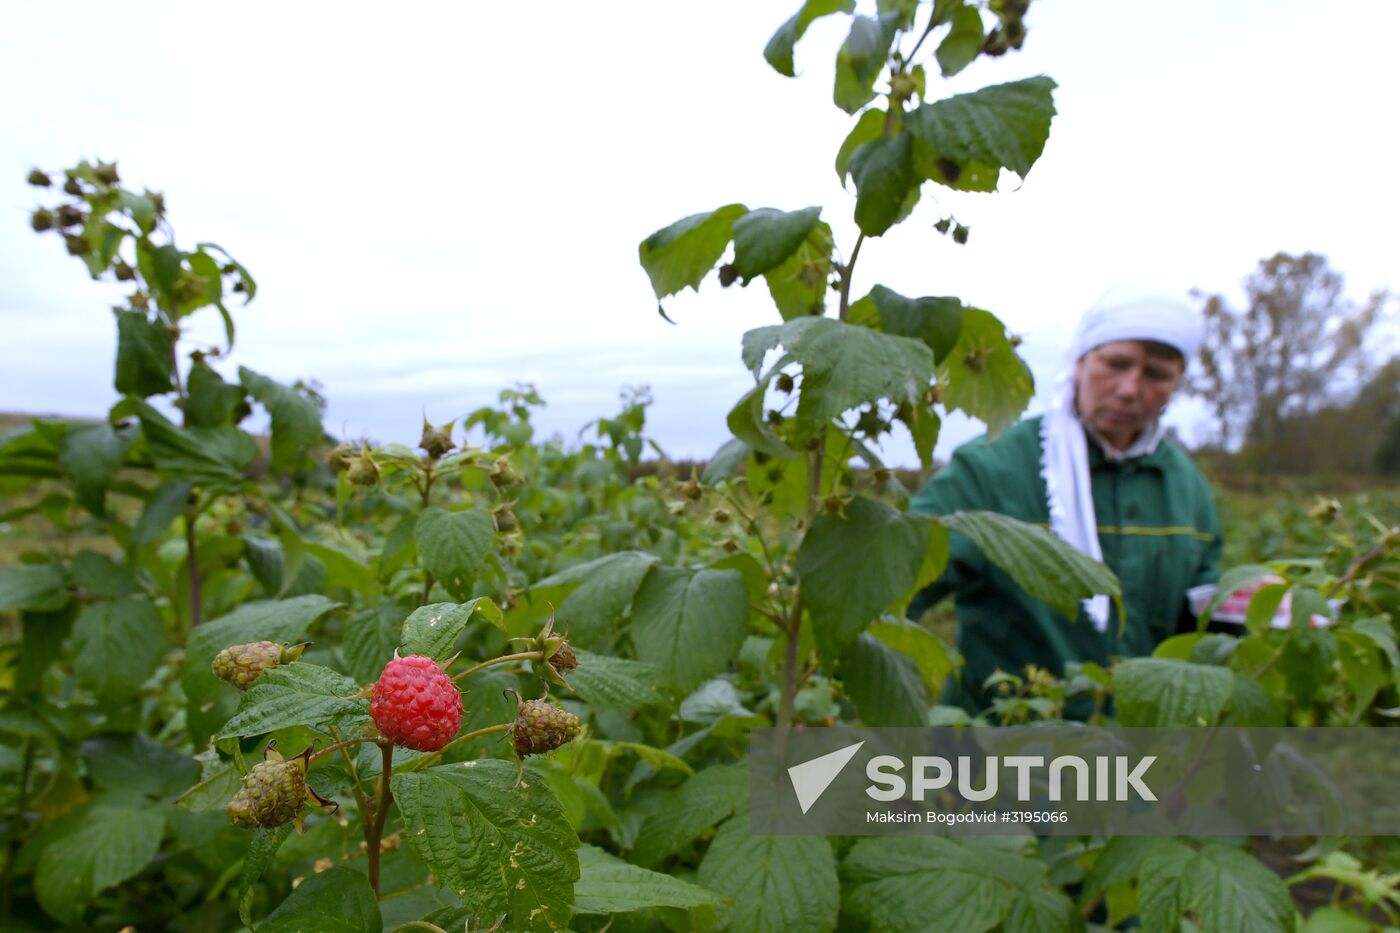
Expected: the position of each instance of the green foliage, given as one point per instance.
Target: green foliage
(664, 614)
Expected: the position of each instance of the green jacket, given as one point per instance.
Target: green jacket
(1157, 528)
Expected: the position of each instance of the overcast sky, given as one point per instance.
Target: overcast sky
(441, 200)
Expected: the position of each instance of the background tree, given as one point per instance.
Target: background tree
(1298, 347)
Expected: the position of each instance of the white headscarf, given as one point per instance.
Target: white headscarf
(1123, 313)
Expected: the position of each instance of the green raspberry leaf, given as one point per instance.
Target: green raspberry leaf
(144, 355)
(765, 237)
(119, 644)
(778, 51)
(433, 631)
(102, 845)
(689, 623)
(296, 420)
(859, 563)
(682, 254)
(338, 900)
(453, 546)
(749, 869)
(608, 885)
(982, 375)
(298, 694)
(501, 848)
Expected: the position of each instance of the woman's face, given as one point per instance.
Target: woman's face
(1120, 387)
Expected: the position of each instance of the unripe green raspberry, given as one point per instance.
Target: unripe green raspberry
(241, 665)
(540, 727)
(273, 793)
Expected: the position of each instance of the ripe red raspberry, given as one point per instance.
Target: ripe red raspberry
(415, 704)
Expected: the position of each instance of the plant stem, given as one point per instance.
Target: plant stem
(846, 271)
(360, 802)
(789, 695)
(932, 23)
(427, 587)
(503, 659)
(12, 847)
(474, 734)
(375, 831)
(336, 747)
(192, 560)
(1362, 560)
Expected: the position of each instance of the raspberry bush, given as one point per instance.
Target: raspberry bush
(522, 673)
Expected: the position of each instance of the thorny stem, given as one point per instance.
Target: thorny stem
(503, 659)
(474, 734)
(375, 831)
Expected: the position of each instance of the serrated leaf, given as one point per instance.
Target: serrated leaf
(337, 900)
(109, 845)
(163, 507)
(432, 631)
(1041, 564)
(33, 588)
(119, 644)
(689, 623)
(883, 683)
(90, 454)
(724, 463)
(861, 58)
(765, 237)
(706, 798)
(298, 694)
(210, 401)
(871, 125)
(972, 135)
(262, 849)
(800, 284)
(746, 422)
(883, 171)
(453, 546)
(778, 51)
(133, 764)
(845, 366)
(935, 321)
(924, 648)
(608, 885)
(1163, 692)
(983, 376)
(144, 355)
(296, 421)
(1225, 888)
(503, 849)
(962, 44)
(370, 639)
(1382, 634)
(855, 566)
(898, 883)
(99, 575)
(779, 884)
(203, 456)
(615, 682)
(682, 254)
(600, 593)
